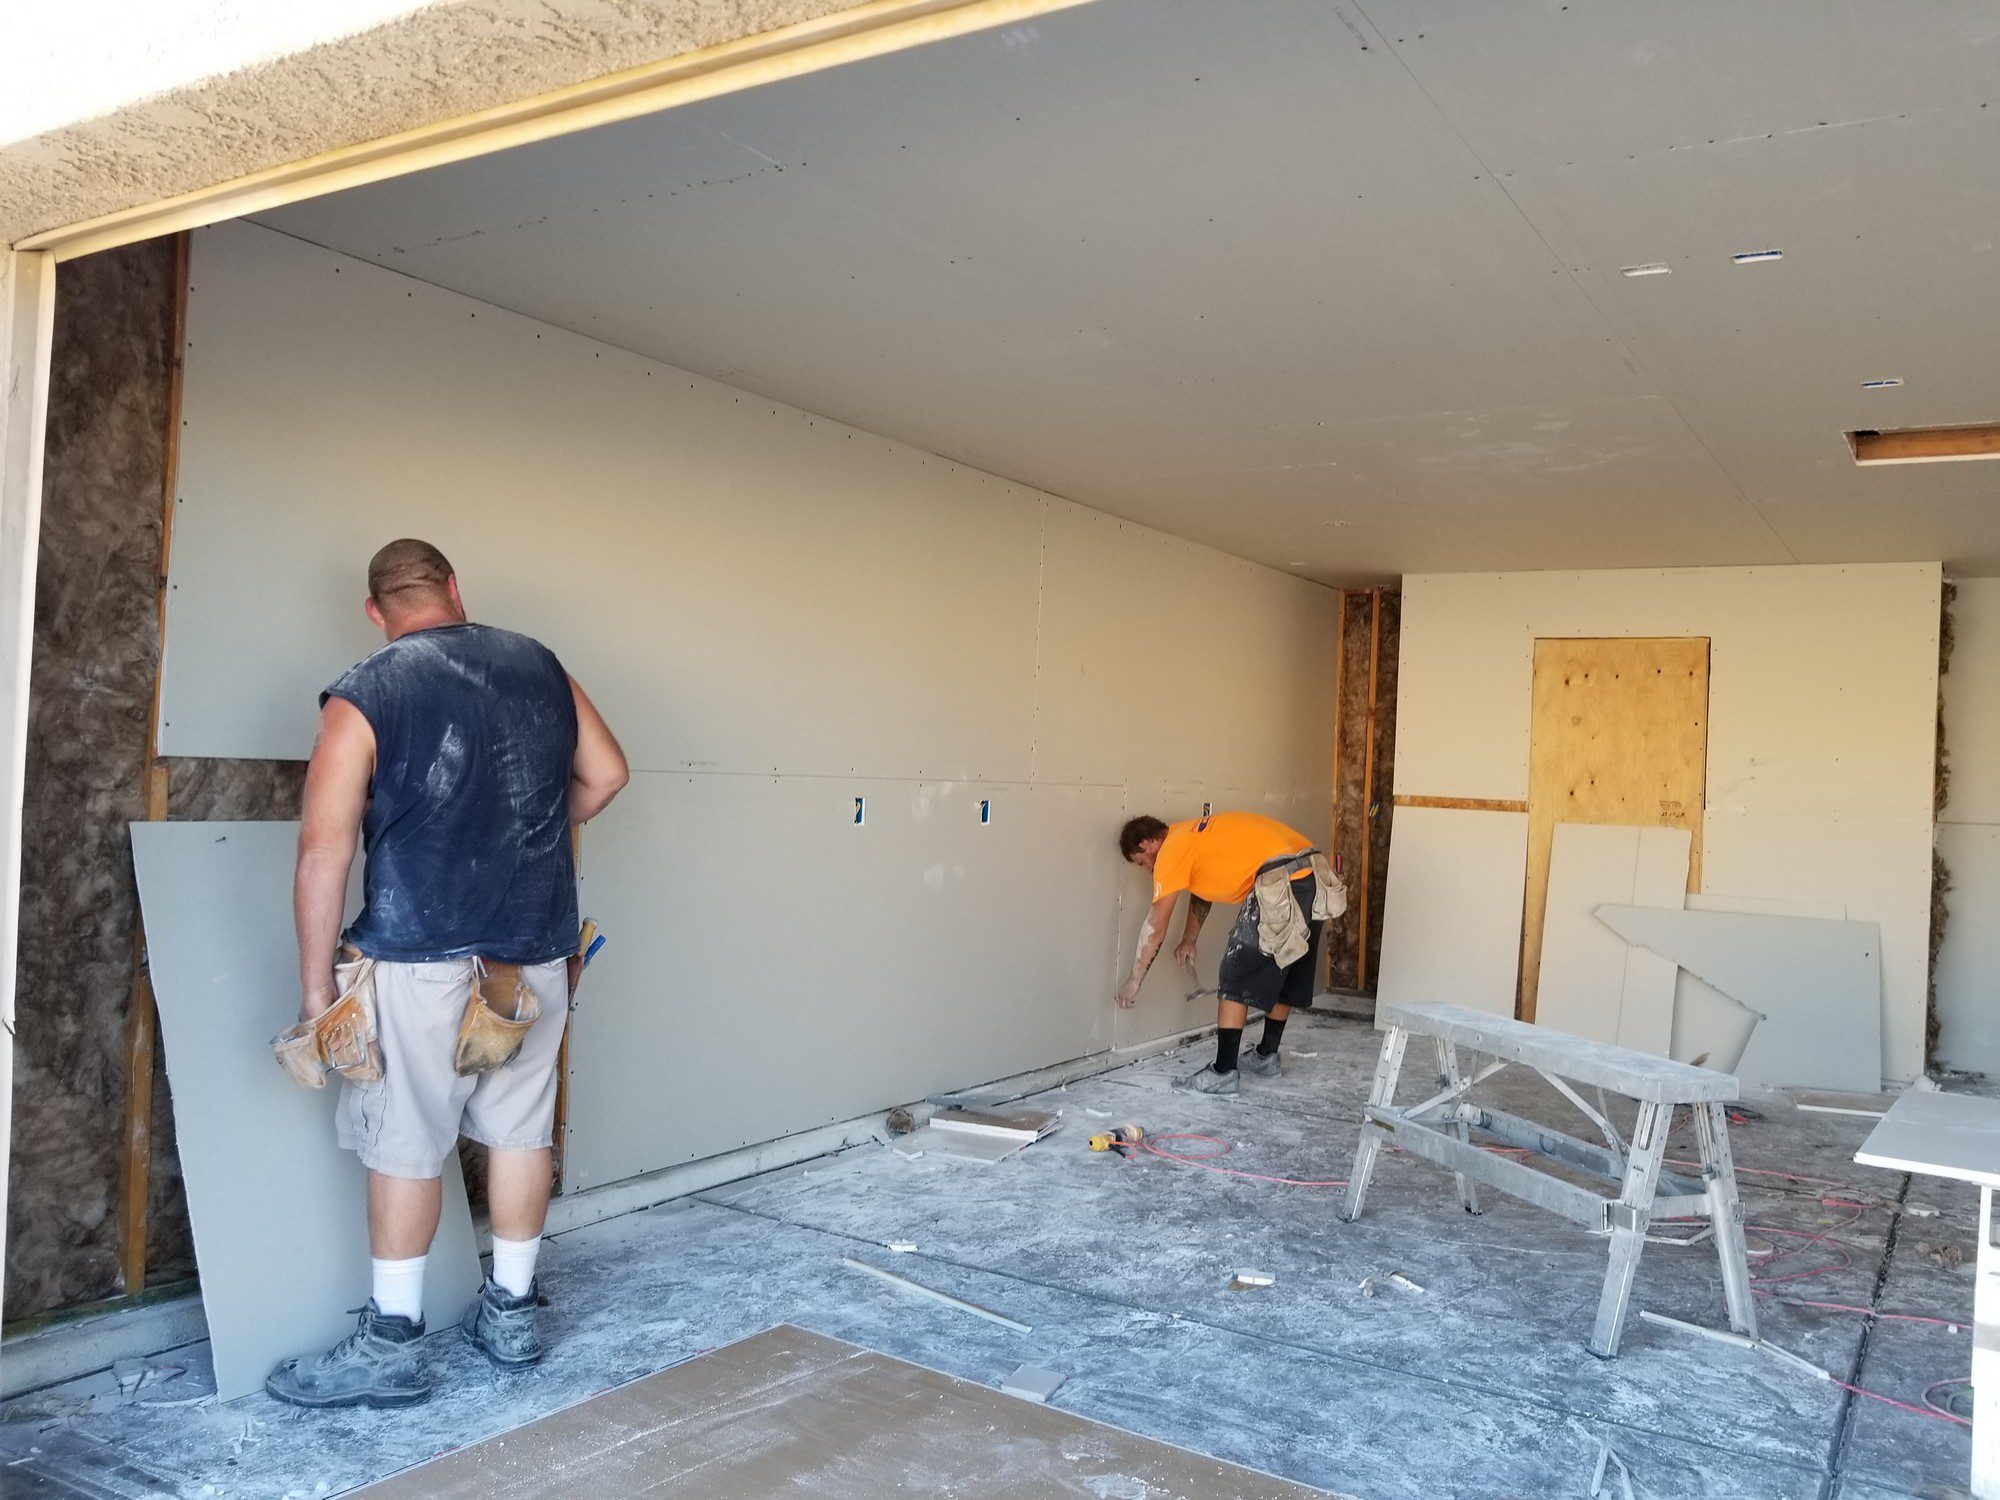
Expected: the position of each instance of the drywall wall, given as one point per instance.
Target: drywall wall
(1822, 713)
(1968, 836)
(778, 615)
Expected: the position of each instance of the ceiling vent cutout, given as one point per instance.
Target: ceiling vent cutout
(1925, 445)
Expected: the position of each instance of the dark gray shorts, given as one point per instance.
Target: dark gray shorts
(1250, 976)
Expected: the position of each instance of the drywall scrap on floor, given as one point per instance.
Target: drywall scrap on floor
(794, 1412)
(1817, 983)
(279, 1211)
(1452, 917)
(1593, 983)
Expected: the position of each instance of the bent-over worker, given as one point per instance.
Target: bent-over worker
(1288, 890)
(460, 756)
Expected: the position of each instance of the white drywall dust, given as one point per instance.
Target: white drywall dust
(1968, 976)
(777, 614)
(1822, 712)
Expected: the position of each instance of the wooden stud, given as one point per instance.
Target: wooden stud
(142, 1022)
(1368, 785)
(1465, 804)
(1926, 445)
(874, 29)
(1339, 673)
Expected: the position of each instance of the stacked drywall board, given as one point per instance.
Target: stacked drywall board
(885, 712)
(1968, 836)
(1822, 712)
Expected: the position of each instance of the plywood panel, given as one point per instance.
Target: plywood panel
(279, 1212)
(744, 995)
(1619, 735)
(1452, 919)
(742, 585)
(1593, 983)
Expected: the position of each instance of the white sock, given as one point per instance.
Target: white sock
(399, 1288)
(514, 1264)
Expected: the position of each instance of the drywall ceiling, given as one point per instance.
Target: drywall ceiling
(1332, 286)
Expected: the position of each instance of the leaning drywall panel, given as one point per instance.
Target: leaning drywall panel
(658, 530)
(1878, 870)
(1968, 975)
(1822, 713)
(1452, 917)
(1710, 1029)
(280, 1213)
(744, 993)
(1177, 663)
(1817, 985)
(1594, 984)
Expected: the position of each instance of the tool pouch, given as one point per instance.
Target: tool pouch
(497, 1017)
(341, 1037)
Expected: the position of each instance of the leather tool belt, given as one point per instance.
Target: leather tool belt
(497, 1016)
(342, 1037)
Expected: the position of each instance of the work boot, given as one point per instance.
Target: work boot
(381, 1363)
(1264, 1065)
(503, 1326)
(1208, 1081)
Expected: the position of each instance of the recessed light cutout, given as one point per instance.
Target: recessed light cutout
(1925, 445)
(1757, 257)
(1652, 268)
(1881, 385)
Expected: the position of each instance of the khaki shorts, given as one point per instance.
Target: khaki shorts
(407, 1123)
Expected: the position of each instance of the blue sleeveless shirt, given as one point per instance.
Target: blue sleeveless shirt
(467, 830)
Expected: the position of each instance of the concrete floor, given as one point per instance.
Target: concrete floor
(1479, 1387)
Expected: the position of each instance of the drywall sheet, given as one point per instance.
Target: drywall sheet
(788, 1412)
(1594, 983)
(1818, 985)
(280, 1213)
(829, 599)
(745, 992)
(1451, 922)
(1710, 1029)
(1821, 725)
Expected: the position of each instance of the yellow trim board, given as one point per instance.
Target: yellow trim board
(872, 30)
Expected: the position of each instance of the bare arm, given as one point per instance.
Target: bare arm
(343, 764)
(599, 771)
(1198, 911)
(1151, 935)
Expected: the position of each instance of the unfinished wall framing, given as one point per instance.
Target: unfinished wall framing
(1364, 782)
(96, 1206)
(1968, 834)
(1821, 727)
(780, 616)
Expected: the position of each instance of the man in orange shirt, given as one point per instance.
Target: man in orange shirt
(1287, 889)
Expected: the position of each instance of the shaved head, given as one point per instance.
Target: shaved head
(408, 573)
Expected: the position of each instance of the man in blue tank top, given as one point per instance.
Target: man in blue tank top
(459, 757)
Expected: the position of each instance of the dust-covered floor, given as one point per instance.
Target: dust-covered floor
(1477, 1386)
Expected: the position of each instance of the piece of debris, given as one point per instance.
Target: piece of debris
(1246, 1281)
(1032, 1383)
(1388, 1278)
(1921, 1210)
(903, 1247)
(1606, 1456)
(901, 1121)
(1024, 1125)
(1740, 1340)
(1945, 1257)
(937, 1296)
(912, 1152)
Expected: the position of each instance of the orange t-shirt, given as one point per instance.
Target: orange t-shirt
(1217, 858)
